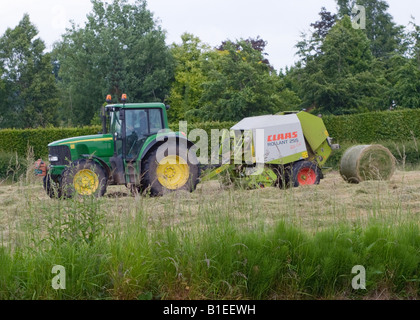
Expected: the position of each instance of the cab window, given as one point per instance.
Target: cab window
(156, 121)
(140, 124)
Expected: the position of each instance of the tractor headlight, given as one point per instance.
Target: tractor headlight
(52, 158)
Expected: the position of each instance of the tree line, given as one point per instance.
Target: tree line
(122, 49)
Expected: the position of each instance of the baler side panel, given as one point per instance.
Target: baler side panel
(314, 129)
(316, 135)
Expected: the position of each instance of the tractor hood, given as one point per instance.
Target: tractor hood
(100, 145)
(84, 140)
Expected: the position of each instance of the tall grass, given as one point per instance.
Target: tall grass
(218, 244)
(136, 259)
(11, 166)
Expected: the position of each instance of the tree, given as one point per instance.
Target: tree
(413, 43)
(121, 49)
(407, 85)
(404, 71)
(345, 7)
(345, 78)
(308, 48)
(3, 99)
(240, 85)
(31, 93)
(256, 44)
(381, 30)
(187, 88)
(323, 26)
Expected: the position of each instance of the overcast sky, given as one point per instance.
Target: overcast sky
(278, 22)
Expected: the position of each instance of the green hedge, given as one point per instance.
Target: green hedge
(398, 126)
(394, 126)
(11, 165)
(12, 140)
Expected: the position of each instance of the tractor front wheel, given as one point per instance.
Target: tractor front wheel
(84, 178)
(52, 187)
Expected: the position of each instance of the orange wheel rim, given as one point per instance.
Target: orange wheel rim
(306, 176)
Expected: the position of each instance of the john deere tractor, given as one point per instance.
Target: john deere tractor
(135, 148)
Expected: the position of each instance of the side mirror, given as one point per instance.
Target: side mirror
(167, 107)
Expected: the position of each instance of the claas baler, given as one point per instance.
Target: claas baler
(285, 150)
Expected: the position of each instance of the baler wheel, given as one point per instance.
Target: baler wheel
(304, 173)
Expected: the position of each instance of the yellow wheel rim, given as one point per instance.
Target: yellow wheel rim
(86, 182)
(173, 172)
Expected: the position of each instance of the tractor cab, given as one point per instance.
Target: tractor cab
(133, 127)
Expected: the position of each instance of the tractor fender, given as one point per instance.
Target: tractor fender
(161, 140)
(101, 162)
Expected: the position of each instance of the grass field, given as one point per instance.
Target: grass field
(215, 243)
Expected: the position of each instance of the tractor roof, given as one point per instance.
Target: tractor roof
(137, 105)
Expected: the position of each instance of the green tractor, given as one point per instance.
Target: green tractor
(136, 148)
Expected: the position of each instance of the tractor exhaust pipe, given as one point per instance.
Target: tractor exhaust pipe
(103, 118)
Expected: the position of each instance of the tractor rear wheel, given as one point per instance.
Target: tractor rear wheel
(304, 173)
(173, 172)
(84, 178)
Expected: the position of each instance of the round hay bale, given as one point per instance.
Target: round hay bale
(367, 162)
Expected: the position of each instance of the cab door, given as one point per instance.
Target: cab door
(131, 129)
(140, 124)
(117, 161)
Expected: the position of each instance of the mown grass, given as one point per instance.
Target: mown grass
(214, 243)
